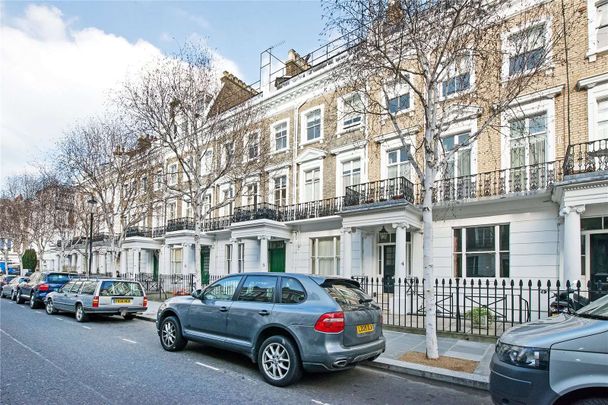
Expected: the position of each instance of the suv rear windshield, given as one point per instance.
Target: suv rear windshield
(57, 278)
(345, 293)
(120, 288)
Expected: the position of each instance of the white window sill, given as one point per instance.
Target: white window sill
(548, 71)
(277, 152)
(317, 140)
(344, 131)
(592, 54)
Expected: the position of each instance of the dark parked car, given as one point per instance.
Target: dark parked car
(10, 290)
(5, 279)
(39, 285)
(285, 323)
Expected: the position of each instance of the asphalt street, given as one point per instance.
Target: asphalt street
(56, 360)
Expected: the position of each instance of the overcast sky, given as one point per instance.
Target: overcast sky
(59, 61)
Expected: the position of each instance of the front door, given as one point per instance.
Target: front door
(205, 254)
(276, 256)
(598, 263)
(388, 270)
(155, 266)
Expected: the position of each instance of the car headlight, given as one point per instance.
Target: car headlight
(161, 308)
(529, 357)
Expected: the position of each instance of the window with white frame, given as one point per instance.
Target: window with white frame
(228, 152)
(144, 184)
(601, 33)
(157, 216)
(527, 49)
(458, 76)
(158, 181)
(172, 173)
(252, 193)
(280, 136)
(325, 257)
(352, 111)
(228, 261)
(227, 199)
(207, 162)
(528, 140)
(313, 125)
(176, 260)
(171, 210)
(280, 190)
(351, 173)
(459, 164)
(312, 184)
(253, 147)
(481, 251)
(187, 209)
(398, 163)
(241, 258)
(398, 97)
(207, 205)
(602, 118)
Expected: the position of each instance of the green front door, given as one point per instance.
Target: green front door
(276, 256)
(155, 266)
(205, 253)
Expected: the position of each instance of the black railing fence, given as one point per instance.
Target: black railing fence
(167, 285)
(397, 188)
(472, 306)
(586, 157)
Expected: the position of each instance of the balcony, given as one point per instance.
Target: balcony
(256, 211)
(525, 179)
(217, 224)
(390, 190)
(159, 232)
(142, 231)
(311, 209)
(587, 157)
(180, 224)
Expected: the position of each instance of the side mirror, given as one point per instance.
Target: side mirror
(197, 293)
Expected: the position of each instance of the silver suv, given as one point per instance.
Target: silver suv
(557, 360)
(105, 296)
(286, 323)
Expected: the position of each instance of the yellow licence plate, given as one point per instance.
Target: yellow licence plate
(122, 301)
(363, 329)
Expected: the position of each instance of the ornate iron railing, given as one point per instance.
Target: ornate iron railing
(138, 231)
(180, 224)
(311, 209)
(394, 189)
(586, 157)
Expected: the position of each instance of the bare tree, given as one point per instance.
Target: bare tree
(106, 161)
(207, 131)
(452, 59)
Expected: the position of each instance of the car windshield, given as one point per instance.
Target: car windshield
(120, 288)
(598, 309)
(57, 278)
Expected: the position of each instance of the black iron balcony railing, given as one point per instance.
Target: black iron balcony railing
(256, 211)
(217, 224)
(395, 189)
(180, 224)
(138, 231)
(311, 209)
(586, 157)
(159, 231)
(523, 179)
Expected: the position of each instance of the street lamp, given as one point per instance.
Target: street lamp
(92, 202)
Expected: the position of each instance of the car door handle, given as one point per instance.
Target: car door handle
(223, 309)
(264, 312)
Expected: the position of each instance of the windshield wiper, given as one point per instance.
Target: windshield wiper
(592, 316)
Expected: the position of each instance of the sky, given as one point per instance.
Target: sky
(60, 61)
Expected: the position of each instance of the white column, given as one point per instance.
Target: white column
(163, 254)
(263, 253)
(136, 261)
(94, 265)
(187, 257)
(123, 262)
(572, 242)
(347, 252)
(103, 260)
(400, 251)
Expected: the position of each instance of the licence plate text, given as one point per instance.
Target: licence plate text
(122, 300)
(363, 329)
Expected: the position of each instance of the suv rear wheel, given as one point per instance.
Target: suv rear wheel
(171, 335)
(18, 298)
(33, 303)
(279, 362)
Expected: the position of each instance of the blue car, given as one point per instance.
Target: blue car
(39, 285)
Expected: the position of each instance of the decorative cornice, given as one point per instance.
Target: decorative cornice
(590, 82)
(549, 93)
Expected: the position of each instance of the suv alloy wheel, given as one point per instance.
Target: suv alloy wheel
(171, 335)
(279, 362)
(18, 298)
(50, 308)
(33, 303)
(81, 316)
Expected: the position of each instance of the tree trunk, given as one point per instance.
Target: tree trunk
(432, 351)
(197, 254)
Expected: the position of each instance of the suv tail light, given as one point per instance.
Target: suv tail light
(332, 322)
(95, 302)
(145, 301)
(43, 287)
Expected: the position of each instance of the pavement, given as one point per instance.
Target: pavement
(398, 343)
(53, 359)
